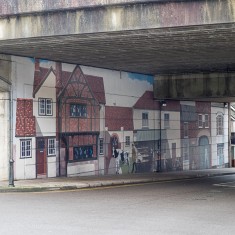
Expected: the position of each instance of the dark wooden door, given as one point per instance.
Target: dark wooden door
(41, 156)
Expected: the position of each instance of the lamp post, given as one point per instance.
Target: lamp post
(159, 165)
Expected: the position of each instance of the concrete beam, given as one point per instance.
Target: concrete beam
(111, 18)
(203, 86)
(18, 7)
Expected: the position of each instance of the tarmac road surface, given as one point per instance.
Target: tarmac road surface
(193, 206)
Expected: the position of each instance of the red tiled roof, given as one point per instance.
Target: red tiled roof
(203, 107)
(65, 77)
(25, 121)
(146, 101)
(117, 117)
(97, 87)
(96, 84)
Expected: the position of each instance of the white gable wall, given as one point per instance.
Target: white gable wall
(46, 125)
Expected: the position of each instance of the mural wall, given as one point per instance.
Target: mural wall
(74, 120)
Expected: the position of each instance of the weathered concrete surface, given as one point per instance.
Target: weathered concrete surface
(142, 36)
(204, 86)
(12, 7)
(5, 73)
(112, 17)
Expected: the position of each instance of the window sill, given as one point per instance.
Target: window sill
(51, 155)
(83, 160)
(25, 157)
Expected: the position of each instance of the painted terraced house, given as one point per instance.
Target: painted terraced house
(68, 119)
(60, 125)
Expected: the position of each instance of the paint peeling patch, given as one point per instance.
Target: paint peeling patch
(141, 77)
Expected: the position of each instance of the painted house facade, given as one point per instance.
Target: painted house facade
(73, 120)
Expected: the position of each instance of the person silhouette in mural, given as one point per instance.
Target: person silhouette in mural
(116, 156)
(134, 159)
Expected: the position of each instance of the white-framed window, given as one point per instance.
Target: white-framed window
(185, 129)
(51, 146)
(101, 146)
(145, 119)
(45, 107)
(203, 120)
(206, 121)
(220, 124)
(200, 121)
(127, 141)
(49, 107)
(166, 120)
(26, 148)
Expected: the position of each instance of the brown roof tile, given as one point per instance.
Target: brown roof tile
(117, 117)
(146, 101)
(97, 87)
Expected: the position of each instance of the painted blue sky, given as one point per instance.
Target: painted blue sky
(141, 77)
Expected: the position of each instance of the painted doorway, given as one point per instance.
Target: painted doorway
(204, 152)
(41, 158)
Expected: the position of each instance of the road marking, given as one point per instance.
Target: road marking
(227, 184)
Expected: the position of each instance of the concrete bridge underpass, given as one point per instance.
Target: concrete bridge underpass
(174, 40)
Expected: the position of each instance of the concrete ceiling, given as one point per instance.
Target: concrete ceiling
(150, 51)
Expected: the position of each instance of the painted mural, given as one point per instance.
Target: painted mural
(74, 120)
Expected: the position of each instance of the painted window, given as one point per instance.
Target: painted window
(166, 120)
(145, 119)
(200, 121)
(206, 121)
(78, 110)
(45, 107)
(220, 124)
(203, 120)
(51, 147)
(185, 129)
(101, 146)
(127, 142)
(82, 153)
(26, 148)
